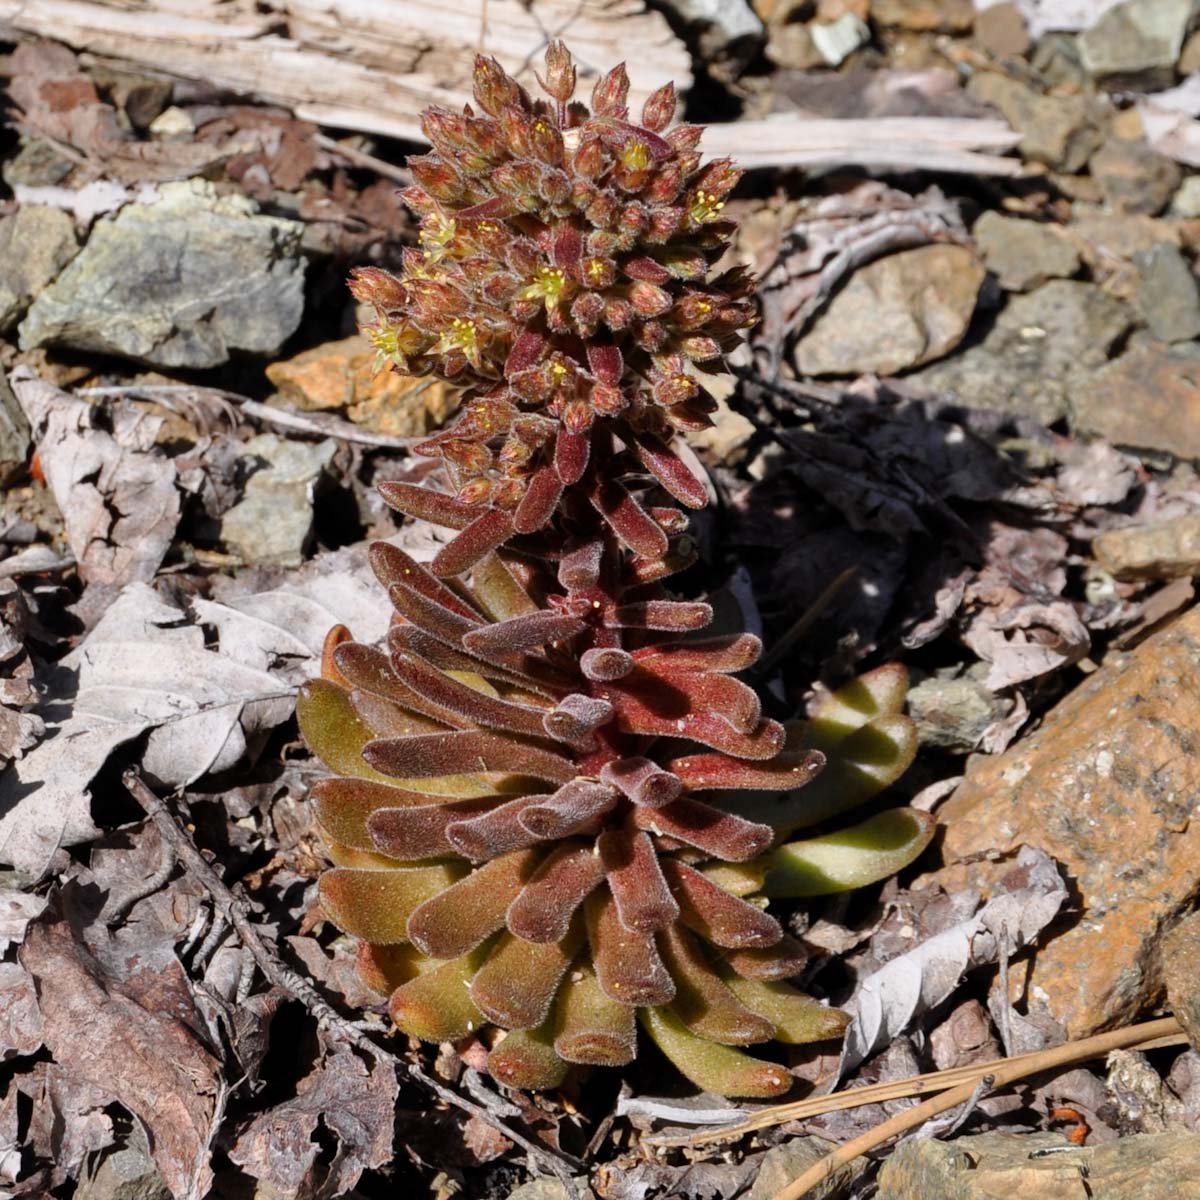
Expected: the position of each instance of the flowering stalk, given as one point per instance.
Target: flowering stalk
(539, 816)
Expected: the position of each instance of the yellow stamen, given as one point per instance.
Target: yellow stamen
(705, 206)
(548, 285)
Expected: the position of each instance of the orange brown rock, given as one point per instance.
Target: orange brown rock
(342, 375)
(1110, 787)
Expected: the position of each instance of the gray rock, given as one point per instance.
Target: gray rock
(1024, 254)
(1061, 131)
(987, 1165)
(1043, 346)
(180, 282)
(1168, 295)
(14, 433)
(1167, 549)
(953, 714)
(126, 1174)
(37, 163)
(897, 312)
(35, 244)
(1134, 177)
(273, 520)
(782, 1164)
(1137, 43)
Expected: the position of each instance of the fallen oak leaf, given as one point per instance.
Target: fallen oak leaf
(117, 493)
(145, 1059)
(354, 1100)
(887, 1001)
(143, 669)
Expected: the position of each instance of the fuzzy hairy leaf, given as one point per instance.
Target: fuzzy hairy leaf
(849, 858)
(712, 1067)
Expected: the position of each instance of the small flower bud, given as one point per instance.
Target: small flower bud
(610, 94)
(495, 90)
(685, 137)
(659, 108)
(507, 493)
(648, 299)
(651, 336)
(478, 491)
(700, 349)
(587, 310)
(446, 131)
(546, 142)
(560, 72)
(471, 458)
(577, 416)
(608, 400)
(665, 223)
(373, 285)
(618, 313)
(693, 311)
(437, 177)
(554, 186)
(597, 272)
(674, 389)
(665, 184)
(590, 159)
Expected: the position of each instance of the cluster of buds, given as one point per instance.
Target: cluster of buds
(563, 277)
(556, 812)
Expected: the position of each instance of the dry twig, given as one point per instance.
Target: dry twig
(895, 1089)
(318, 424)
(1002, 1073)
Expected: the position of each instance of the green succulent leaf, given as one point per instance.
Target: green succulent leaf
(715, 1068)
(850, 858)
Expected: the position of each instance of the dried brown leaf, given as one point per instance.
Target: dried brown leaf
(144, 1057)
(354, 1101)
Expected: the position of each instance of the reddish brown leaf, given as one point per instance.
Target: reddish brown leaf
(606, 665)
(540, 501)
(522, 633)
(670, 470)
(420, 832)
(723, 835)
(639, 889)
(461, 705)
(393, 567)
(673, 616)
(712, 772)
(628, 519)
(424, 504)
(457, 920)
(576, 718)
(724, 919)
(432, 754)
(574, 807)
(498, 831)
(627, 962)
(543, 910)
(642, 780)
(481, 537)
(571, 451)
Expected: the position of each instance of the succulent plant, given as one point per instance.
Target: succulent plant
(556, 810)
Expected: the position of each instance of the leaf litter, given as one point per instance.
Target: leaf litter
(966, 534)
